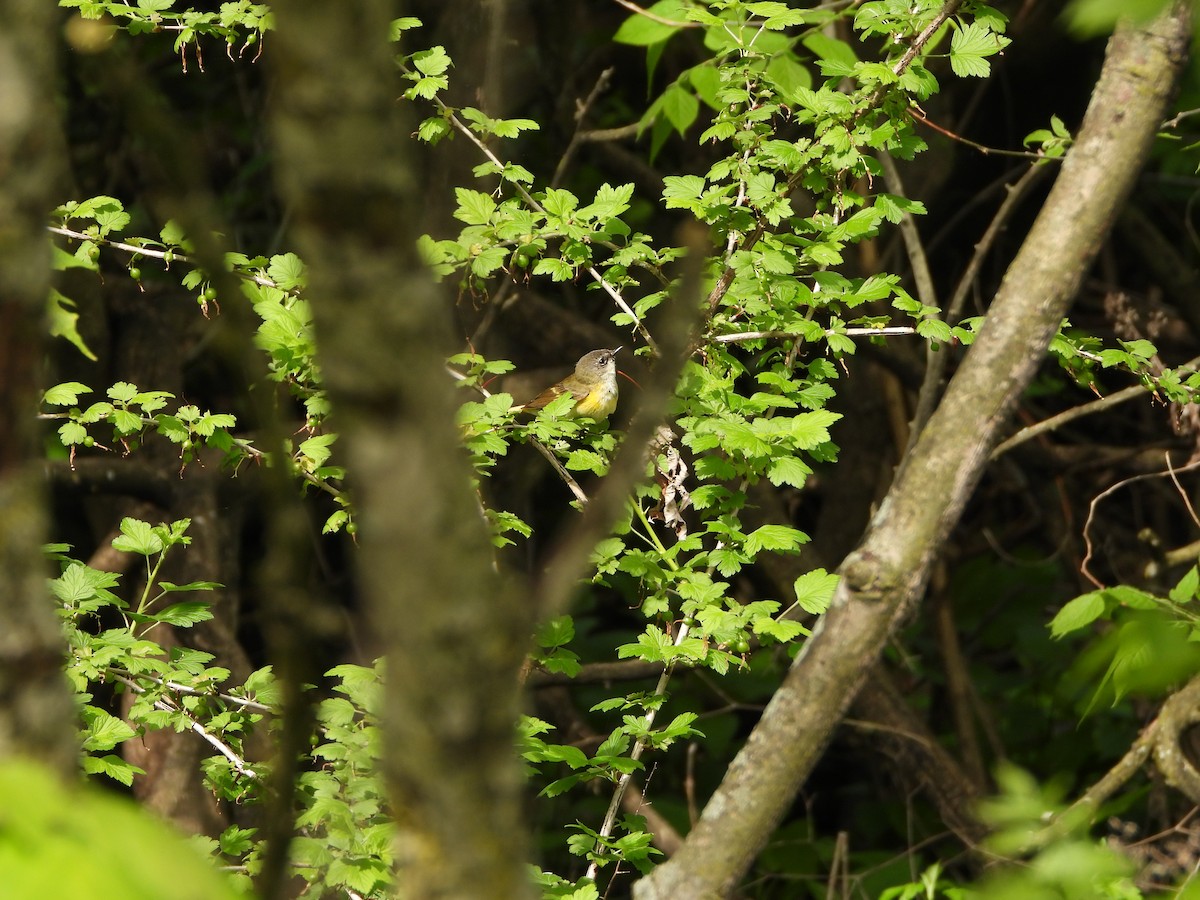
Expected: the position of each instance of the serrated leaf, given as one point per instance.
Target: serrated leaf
(65, 394)
(474, 207)
(556, 632)
(814, 590)
(288, 271)
(775, 537)
(137, 537)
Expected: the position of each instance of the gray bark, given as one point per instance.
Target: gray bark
(455, 636)
(37, 711)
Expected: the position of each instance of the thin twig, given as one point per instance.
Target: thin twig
(167, 256)
(580, 115)
(1057, 421)
(986, 151)
(1015, 193)
(1182, 493)
(654, 17)
(184, 689)
(603, 135)
(935, 361)
(1087, 540)
(739, 336)
(222, 748)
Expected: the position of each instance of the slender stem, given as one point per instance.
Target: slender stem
(220, 746)
(167, 256)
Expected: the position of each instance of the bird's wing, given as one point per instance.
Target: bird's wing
(548, 396)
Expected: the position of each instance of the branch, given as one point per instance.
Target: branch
(124, 674)
(541, 448)
(1077, 412)
(570, 559)
(721, 288)
(220, 746)
(167, 256)
(533, 204)
(885, 577)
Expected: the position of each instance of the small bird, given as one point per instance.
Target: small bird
(593, 384)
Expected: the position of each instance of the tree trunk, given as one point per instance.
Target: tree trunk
(454, 635)
(37, 711)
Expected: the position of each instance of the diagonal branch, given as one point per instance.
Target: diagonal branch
(885, 577)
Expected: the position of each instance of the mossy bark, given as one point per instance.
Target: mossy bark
(37, 711)
(454, 635)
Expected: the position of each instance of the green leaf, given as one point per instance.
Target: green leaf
(431, 62)
(104, 731)
(474, 208)
(185, 615)
(642, 31)
(556, 632)
(680, 107)
(811, 429)
(71, 433)
(113, 766)
(489, 261)
(288, 272)
(1188, 586)
(398, 26)
(137, 537)
(65, 394)
(782, 630)
(1078, 613)
(814, 590)
(317, 448)
(583, 460)
(555, 268)
(63, 322)
(775, 537)
(970, 45)
(609, 203)
(122, 392)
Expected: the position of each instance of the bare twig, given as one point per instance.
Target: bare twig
(580, 116)
(220, 746)
(986, 151)
(1057, 421)
(1014, 194)
(935, 360)
(541, 448)
(1087, 540)
(167, 256)
(654, 17)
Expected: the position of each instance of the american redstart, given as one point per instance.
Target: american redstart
(593, 384)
